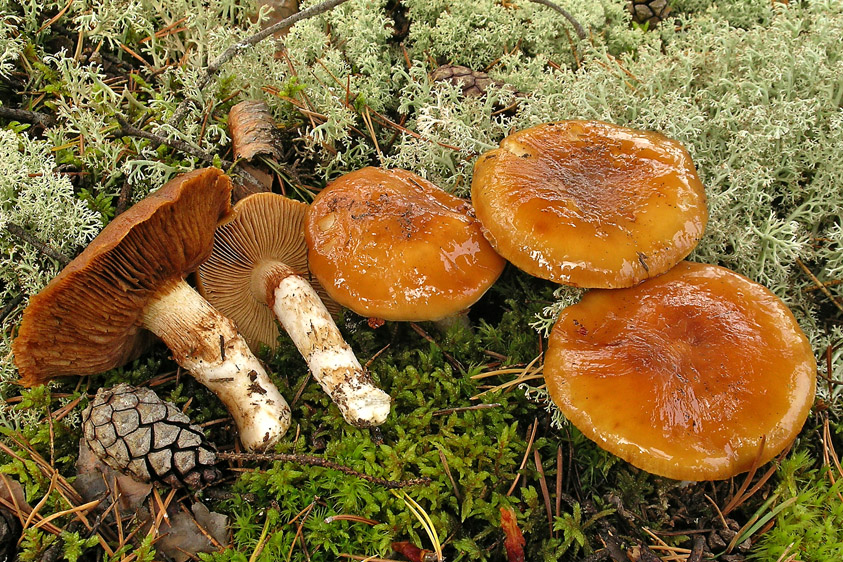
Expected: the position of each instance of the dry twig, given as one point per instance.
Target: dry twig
(42, 247)
(234, 50)
(128, 130)
(27, 116)
(319, 461)
(577, 27)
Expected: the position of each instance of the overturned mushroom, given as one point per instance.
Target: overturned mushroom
(258, 272)
(95, 314)
(590, 204)
(389, 244)
(693, 375)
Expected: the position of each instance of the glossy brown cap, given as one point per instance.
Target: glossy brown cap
(390, 244)
(263, 242)
(590, 204)
(684, 374)
(87, 319)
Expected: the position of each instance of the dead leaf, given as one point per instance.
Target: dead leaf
(10, 525)
(413, 553)
(95, 481)
(180, 535)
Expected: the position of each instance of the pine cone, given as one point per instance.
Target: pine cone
(648, 11)
(132, 430)
(473, 82)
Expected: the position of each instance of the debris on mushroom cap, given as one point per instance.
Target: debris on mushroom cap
(590, 204)
(390, 244)
(692, 375)
(87, 319)
(265, 229)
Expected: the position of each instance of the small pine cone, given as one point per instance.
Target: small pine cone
(648, 11)
(132, 430)
(474, 83)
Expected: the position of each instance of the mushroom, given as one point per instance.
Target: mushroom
(258, 272)
(590, 204)
(389, 244)
(694, 375)
(95, 314)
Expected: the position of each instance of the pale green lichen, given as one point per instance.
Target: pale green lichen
(36, 198)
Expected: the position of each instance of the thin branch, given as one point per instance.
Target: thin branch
(449, 411)
(577, 27)
(319, 461)
(42, 247)
(129, 130)
(27, 116)
(237, 48)
(11, 306)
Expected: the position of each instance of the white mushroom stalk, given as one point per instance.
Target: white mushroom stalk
(330, 359)
(91, 317)
(257, 275)
(207, 344)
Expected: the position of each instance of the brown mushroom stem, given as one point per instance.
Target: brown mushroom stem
(207, 344)
(302, 314)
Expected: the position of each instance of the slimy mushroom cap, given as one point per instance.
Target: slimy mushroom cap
(590, 204)
(684, 374)
(389, 244)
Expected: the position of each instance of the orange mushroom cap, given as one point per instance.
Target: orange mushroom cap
(684, 375)
(590, 204)
(390, 244)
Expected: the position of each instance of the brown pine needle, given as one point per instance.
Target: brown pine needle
(739, 497)
(201, 529)
(84, 507)
(545, 492)
(532, 438)
(319, 461)
(366, 558)
(349, 517)
(165, 31)
(509, 384)
(830, 455)
(717, 509)
(40, 504)
(819, 284)
(138, 57)
(55, 18)
(449, 475)
(524, 374)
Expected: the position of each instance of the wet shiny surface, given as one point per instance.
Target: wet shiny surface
(391, 245)
(683, 374)
(590, 204)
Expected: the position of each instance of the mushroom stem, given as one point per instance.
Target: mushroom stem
(207, 344)
(302, 314)
(456, 319)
